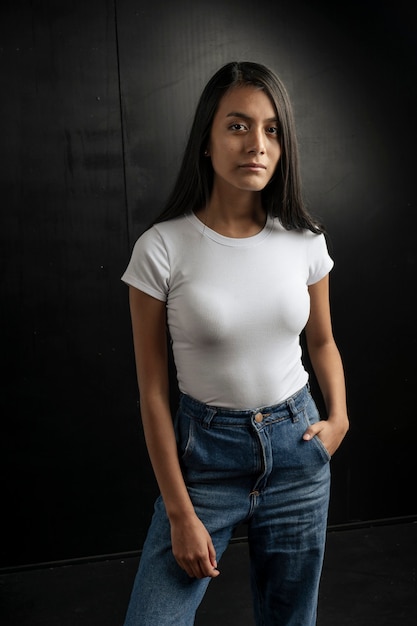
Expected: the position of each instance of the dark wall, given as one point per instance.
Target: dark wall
(97, 98)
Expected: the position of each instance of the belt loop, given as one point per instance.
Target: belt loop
(209, 413)
(293, 409)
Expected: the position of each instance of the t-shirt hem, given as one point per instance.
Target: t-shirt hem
(317, 278)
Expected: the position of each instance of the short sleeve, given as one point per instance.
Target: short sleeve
(148, 268)
(319, 261)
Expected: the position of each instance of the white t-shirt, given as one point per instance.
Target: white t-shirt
(235, 307)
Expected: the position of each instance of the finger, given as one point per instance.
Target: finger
(187, 569)
(209, 572)
(208, 569)
(212, 554)
(312, 431)
(199, 568)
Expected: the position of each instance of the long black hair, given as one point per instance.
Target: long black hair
(282, 196)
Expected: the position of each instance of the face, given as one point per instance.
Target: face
(244, 146)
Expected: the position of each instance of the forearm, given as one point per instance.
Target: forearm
(162, 449)
(328, 368)
(192, 546)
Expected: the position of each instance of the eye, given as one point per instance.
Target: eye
(272, 130)
(237, 126)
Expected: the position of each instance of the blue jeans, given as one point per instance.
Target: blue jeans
(248, 467)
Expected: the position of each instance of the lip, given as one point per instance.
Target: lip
(253, 166)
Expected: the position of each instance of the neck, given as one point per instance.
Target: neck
(237, 215)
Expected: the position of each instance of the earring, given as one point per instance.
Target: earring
(206, 152)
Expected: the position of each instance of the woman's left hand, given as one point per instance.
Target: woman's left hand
(331, 433)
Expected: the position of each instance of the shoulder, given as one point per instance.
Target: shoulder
(305, 246)
(162, 234)
(172, 226)
(302, 236)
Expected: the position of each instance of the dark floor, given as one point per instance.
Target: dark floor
(369, 579)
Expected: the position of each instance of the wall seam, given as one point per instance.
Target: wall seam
(122, 124)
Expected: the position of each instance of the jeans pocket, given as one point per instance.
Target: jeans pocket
(312, 416)
(322, 448)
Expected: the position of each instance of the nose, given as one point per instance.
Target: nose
(256, 141)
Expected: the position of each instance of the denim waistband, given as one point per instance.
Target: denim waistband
(288, 408)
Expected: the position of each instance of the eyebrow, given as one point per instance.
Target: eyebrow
(244, 116)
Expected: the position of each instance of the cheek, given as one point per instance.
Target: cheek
(277, 152)
(223, 156)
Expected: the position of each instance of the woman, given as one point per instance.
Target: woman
(236, 268)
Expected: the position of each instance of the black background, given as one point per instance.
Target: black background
(96, 102)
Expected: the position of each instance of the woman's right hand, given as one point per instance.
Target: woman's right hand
(193, 548)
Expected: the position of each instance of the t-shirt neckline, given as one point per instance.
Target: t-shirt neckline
(235, 242)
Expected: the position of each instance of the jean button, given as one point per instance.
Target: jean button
(259, 418)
